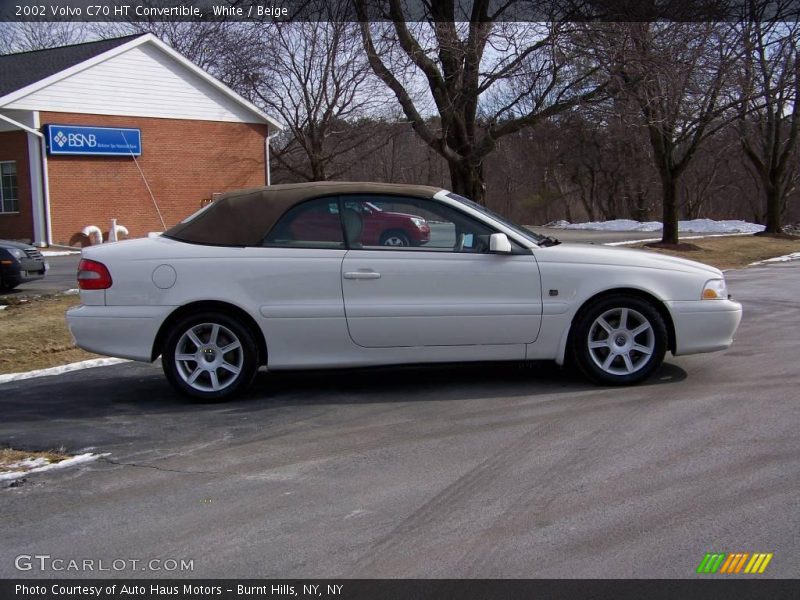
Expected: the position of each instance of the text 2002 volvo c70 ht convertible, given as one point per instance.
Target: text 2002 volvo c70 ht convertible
(260, 278)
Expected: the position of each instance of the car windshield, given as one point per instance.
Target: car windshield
(526, 233)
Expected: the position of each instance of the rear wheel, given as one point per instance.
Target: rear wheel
(210, 356)
(395, 238)
(619, 340)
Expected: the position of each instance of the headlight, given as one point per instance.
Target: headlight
(16, 253)
(715, 290)
(418, 222)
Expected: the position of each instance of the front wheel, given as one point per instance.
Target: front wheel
(210, 356)
(619, 340)
(5, 286)
(395, 238)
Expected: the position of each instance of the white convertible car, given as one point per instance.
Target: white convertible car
(327, 275)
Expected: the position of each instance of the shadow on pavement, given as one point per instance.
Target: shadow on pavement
(135, 389)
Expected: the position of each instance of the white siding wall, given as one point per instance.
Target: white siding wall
(141, 82)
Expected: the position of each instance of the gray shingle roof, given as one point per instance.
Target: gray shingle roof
(22, 69)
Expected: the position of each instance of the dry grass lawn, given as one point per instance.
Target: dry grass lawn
(10, 459)
(34, 335)
(734, 252)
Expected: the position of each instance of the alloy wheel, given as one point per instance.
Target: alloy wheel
(621, 341)
(209, 357)
(395, 240)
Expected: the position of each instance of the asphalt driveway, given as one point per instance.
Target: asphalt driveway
(471, 471)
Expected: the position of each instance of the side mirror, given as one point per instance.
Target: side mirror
(499, 243)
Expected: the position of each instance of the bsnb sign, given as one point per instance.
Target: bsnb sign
(102, 141)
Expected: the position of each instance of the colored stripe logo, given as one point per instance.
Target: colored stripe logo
(736, 562)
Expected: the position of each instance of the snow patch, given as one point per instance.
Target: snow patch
(39, 465)
(3, 306)
(693, 226)
(76, 366)
(683, 238)
(71, 292)
(784, 258)
(29, 463)
(60, 252)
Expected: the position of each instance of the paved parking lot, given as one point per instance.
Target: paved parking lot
(472, 471)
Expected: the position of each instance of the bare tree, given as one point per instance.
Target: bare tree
(769, 109)
(26, 36)
(486, 78)
(678, 74)
(209, 45)
(314, 77)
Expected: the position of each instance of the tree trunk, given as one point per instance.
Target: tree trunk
(568, 211)
(587, 206)
(317, 169)
(641, 212)
(467, 180)
(669, 210)
(774, 210)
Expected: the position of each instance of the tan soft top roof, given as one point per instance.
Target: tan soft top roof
(244, 217)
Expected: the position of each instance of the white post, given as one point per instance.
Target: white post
(48, 221)
(112, 233)
(268, 177)
(37, 190)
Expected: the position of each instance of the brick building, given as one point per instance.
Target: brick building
(124, 129)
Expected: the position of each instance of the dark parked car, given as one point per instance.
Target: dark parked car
(19, 263)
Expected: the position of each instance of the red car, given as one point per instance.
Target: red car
(379, 227)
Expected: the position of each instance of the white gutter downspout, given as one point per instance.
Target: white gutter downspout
(45, 182)
(268, 175)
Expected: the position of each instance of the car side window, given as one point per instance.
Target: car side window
(312, 224)
(393, 222)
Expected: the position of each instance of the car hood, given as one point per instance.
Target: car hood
(389, 213)
(18, 245)
(623, 257)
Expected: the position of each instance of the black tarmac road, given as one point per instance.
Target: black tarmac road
(459, 471)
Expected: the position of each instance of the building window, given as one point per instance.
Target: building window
(9, 193)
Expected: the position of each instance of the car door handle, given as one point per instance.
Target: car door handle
(362, 275)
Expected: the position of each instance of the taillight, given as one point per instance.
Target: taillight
(93, 275)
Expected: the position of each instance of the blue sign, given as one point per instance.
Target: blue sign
(97, 141)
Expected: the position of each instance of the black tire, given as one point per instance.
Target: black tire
(211, 356)
(607, 364)
(6, 287)
(395, 237)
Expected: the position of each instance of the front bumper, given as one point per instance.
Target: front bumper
(22, 270)
(420, 235)
(704, 325)
(121, 331)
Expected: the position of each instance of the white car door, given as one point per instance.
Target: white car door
(297, 283)
(442, 289)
